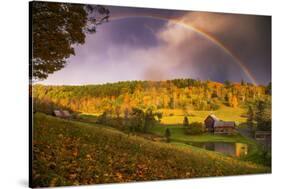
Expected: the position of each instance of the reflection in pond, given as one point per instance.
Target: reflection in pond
(232, 149)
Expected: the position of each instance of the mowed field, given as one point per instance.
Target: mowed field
(175, 117)
(74, 153)
(173, 120)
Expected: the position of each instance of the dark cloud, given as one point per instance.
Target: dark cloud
(154, 44)
(137, 32)
(247, 36)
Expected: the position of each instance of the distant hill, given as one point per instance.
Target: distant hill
(116, 98)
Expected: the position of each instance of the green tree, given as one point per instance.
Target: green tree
(56, 27)
(263, 115)
(194, 128)
(227, 83)
(250, 117)
(159, 116)
(268, 89)
(149, 120)
(102, 119)
(137, 120)
(185, 121)
(168, 135)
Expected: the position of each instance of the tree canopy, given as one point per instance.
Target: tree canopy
(185, 121)
(259, 114)
(120, 98)
(56, 28)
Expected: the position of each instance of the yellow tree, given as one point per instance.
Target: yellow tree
(234, 101)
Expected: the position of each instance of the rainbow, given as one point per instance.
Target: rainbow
(203, 34)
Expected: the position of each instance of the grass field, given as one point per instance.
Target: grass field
(74, 153)
(225, 113)
(176, 116)
(177, 134)
(173, 119)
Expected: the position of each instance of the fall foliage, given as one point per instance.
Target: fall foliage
(73, 153)
(117, 98)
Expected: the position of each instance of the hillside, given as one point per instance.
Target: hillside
(186, 95)
(74, 153)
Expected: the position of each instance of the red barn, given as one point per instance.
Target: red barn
(217, 126)
(210, 122)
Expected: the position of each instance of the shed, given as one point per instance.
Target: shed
(62, 113)
(263, 135)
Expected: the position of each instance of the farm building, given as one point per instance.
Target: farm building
(62, 113)
(264, 138)
(217, 126)
(263, 135)
(210, 122)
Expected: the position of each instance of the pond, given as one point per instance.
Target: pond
(228, 148)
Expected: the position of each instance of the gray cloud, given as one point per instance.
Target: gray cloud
(149, 48)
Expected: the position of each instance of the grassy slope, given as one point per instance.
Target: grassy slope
(69, 152)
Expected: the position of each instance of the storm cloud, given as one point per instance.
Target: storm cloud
(151, 44)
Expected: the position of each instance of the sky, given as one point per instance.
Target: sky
(157, 44)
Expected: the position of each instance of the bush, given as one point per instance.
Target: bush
(214, 106)
(168, 135)
(105, 119)
(102, 119)
(194, 128)
(185, 121)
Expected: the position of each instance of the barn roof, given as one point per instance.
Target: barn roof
(214, 117)
(263, 132)
(62, 113)
(66, 113)
(58, 113)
